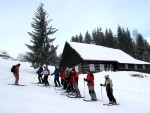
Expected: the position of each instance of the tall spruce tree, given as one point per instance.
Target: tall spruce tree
(128, 43)
(80, 38)
(140, 48)
(87, 38)
(109, 38)
(101, 36)
(73, 39)
(94, 36)
(119, 38)
(146, 53)
(42, 50)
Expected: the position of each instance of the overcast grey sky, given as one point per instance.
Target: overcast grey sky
(71, 17)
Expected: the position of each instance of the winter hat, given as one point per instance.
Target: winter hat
(19, 64)
(106, 76)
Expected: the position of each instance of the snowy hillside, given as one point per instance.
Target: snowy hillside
(133, 93)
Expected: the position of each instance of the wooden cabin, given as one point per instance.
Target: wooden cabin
(97, 58)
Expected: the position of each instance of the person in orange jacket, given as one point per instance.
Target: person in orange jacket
(90, 83)
(16, 74)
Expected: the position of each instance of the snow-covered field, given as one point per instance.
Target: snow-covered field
(133, 93)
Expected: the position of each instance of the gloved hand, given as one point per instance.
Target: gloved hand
(84, 79)
(101, 84)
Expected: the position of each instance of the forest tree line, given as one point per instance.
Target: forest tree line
(136, 46)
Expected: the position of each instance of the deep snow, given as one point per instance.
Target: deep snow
(133, 93)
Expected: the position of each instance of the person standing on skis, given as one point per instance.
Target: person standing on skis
(39, 71)
(90, 83)
(108, 84)
(46, 73)
(16, 74)
(56, 77)
(74, 79)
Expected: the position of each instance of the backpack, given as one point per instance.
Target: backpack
(13, 68)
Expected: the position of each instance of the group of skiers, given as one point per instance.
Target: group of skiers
(46, 73)
(69, 81)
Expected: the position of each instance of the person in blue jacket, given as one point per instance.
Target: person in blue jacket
(39, 71)
(56, 77)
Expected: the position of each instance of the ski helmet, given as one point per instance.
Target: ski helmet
(106, 76)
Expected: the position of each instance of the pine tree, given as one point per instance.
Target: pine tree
(42, 50)
(146, 53)
(140, 47)
(101, 36)
(128, 43)
(109, 39)
(75, 38)
(120, 38)
(87, 38)
(96, 36)
(80, 38)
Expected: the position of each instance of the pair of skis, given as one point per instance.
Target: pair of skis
(72, 96)
(112, 104)
(18, 84)
(103, 104)
(90, 100)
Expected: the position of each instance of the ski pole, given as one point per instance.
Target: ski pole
(84, 89)
(51, 80)
(34, 78)
(6, 78)
(102, 94)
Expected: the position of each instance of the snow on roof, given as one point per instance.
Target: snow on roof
(96, 52)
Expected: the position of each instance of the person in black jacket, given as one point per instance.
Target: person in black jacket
(39, 71)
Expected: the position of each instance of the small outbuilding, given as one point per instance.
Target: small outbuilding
(97, 58)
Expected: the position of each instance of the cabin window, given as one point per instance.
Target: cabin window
(92, 67)
(139, 66)
(126, 66)
(131, 66)
(122, 66)
(102, 67)
(147, 67)
(143, 66)
(77, 68)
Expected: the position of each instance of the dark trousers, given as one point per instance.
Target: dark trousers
(62, 82)
(65, 84)
(110, 95)
(46, 80)
(69, 87)
(40, 78)
(56, 80)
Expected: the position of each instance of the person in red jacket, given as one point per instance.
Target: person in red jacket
(62, 75)
(90, 83)
(74, 79)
